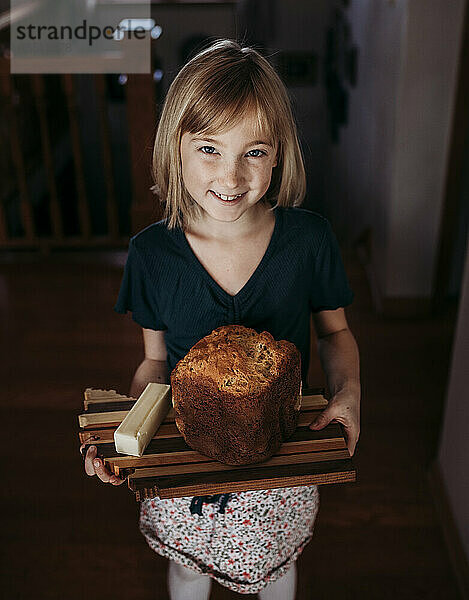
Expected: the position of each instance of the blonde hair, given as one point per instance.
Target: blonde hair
(210, 94)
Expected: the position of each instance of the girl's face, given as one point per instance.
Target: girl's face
(226, 174)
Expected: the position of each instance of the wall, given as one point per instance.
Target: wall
(453, 456)
(181, 21)
(301, 27)
(460, 240)
(388, 171)
(360, 168)
(423, 132)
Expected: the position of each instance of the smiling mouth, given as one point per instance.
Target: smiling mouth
(227, 198)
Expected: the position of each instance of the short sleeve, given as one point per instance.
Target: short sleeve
(137, 293)
(330, 288)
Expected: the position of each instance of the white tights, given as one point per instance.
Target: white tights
(185, 584)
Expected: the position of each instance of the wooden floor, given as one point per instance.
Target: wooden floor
(67, 536)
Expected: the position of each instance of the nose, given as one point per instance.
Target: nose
(231, 176)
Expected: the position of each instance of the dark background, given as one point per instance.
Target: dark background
(379, 90)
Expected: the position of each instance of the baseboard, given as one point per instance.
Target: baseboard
(451, 534)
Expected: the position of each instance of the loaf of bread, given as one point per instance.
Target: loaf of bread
(237, 394)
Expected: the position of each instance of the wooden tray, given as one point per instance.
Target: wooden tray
(169, 468)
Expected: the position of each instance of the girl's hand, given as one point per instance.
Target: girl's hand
(95, 466)
(344, 407)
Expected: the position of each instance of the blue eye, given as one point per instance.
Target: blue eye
(207, 149)
(256, 153)
(262, 153)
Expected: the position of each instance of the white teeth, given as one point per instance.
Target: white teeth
(223, 197)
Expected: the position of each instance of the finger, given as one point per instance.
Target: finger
(83, 446)
(322, 420)
(90, 455)
(352, 439)
(116, 480)
(101, 471)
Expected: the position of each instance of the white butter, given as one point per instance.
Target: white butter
(142, 421)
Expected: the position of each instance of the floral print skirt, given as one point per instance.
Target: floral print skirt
(249, 545)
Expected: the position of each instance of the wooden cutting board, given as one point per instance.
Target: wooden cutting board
(169, 468)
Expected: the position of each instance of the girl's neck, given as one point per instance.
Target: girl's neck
(248, 225)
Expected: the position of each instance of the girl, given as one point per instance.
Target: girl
(234, 248)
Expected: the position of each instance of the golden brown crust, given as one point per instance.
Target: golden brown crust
(235, 394)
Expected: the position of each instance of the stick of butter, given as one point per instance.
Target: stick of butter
(142, 421)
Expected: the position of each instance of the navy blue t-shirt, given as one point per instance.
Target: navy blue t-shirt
(167, 288)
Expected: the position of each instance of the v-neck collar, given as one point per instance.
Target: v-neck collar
(223, 294)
